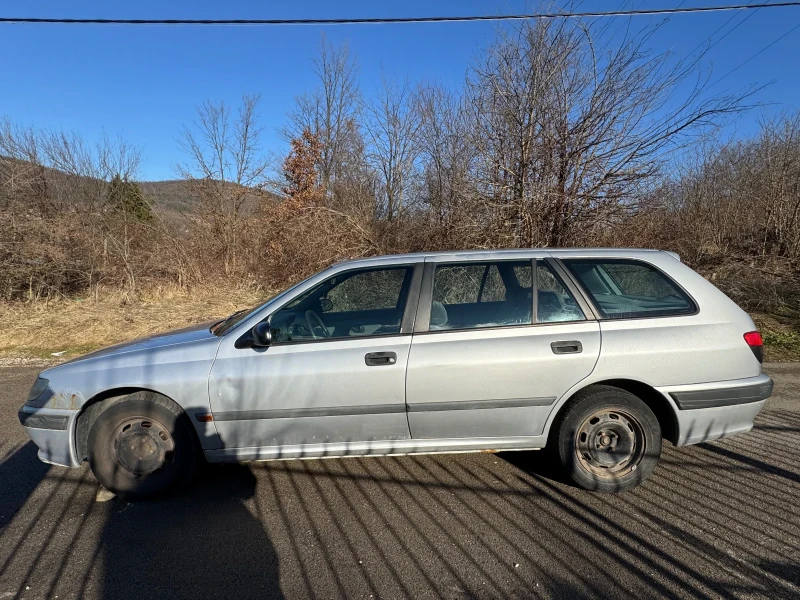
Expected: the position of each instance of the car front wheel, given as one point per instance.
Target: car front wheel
(608, 440)
(142, 445)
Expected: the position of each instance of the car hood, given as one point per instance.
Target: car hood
(194, 333)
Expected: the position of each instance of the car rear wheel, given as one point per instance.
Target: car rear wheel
(608, 440)
(142, 445)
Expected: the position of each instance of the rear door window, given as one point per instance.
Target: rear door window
(626, 289)
(556, 303)
(473, 295)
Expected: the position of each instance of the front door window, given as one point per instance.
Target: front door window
(356, 303)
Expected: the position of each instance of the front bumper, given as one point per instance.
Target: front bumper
(51, 430)
(710, 411)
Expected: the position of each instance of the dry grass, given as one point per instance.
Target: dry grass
(781, 336)
(39, 329)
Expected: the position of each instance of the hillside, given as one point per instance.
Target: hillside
(175, 198)
(179, 197)
(175, 195)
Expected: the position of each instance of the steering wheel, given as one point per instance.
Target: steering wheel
(313, 319)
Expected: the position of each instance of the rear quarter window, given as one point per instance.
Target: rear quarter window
(628, 289)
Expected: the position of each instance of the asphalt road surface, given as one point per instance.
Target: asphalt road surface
(715, 520)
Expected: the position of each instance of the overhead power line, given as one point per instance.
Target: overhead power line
(759, 53)
(727, 33)
(390, 20)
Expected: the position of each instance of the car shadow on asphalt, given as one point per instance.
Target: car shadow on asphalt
(201, 542)
(538, 463)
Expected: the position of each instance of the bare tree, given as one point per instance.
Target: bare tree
(569, 131)
(22, 170)
(391, 130)
(742, 198)
(226, 168)
(330, 112)
(447, 157)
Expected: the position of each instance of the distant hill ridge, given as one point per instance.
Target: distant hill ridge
(171, 196)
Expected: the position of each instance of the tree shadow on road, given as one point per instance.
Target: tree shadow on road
(787, 571)
(20, 473)
(202, 542)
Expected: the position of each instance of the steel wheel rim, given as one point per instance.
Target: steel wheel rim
(610, 443)
(142, 446)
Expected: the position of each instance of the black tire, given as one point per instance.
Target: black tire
(608, 440)
(142, 445)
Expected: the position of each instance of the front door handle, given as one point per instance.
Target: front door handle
(569, 347)
(377, 359)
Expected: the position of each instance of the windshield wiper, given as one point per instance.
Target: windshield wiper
(230, 317)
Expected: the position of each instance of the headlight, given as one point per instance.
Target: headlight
(39, 387)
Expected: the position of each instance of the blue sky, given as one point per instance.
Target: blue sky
(144, 82)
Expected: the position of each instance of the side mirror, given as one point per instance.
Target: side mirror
(262, 335)
(325, 304)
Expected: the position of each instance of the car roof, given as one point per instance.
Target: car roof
(521, 253)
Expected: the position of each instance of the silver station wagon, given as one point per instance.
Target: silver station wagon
(595, 355)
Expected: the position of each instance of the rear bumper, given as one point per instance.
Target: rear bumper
(709, 411)
(728, 395)
(51, 431)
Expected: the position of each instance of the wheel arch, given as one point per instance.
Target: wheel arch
(655, 400)
(96, 405)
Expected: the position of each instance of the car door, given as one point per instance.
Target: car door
(335, 371)
(484, 365)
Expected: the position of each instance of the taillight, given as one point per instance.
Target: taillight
(756, 343)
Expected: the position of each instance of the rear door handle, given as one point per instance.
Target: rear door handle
(569, 347)
(377, 359)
